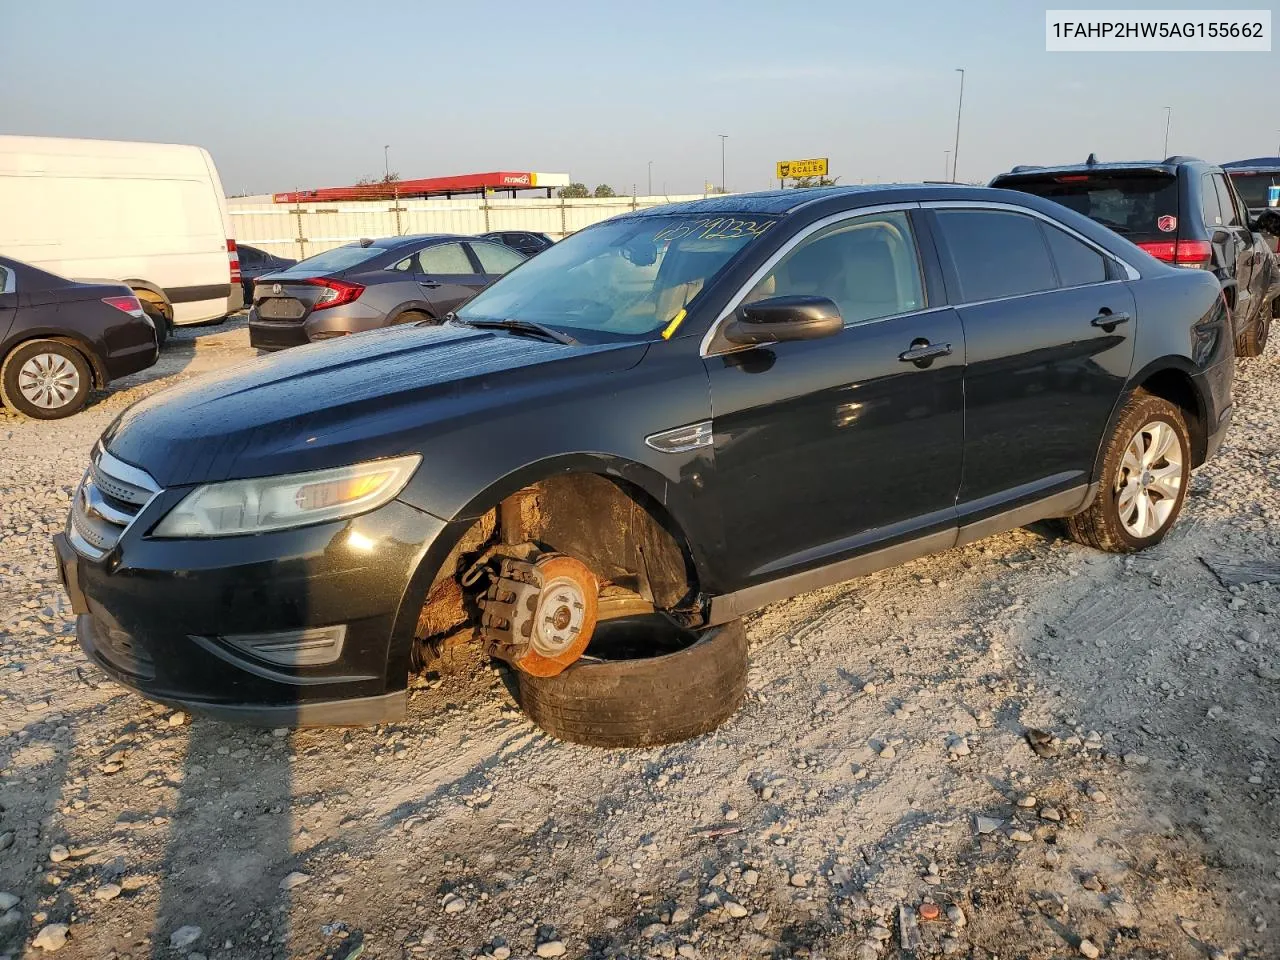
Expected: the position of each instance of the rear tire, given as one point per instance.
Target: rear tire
(642, 702)
(45, 380)
(1253, 341)
(1145, 474)
(159, 314)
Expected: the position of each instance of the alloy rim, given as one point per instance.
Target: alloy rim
(1150, 479)
(49, 380)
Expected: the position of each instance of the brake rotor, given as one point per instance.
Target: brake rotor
(540, 616)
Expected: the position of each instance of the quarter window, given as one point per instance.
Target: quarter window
(867, 265)
(447, 258)
(996, 254)
(495, 258)
(6, 280)
(1077, 263)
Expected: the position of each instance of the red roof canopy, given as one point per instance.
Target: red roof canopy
(428, 187)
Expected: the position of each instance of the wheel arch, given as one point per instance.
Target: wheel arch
(97, 368)
(146, 286)
(1172, 378)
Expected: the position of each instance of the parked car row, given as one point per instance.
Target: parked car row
(598, 463)
(1182, 211)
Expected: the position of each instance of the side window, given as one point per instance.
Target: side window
(445, 258)
(1229, 214)
(1077, 263)
(248, 256)
(996, 254)
(1209, 202)
(867, 265)
(495, 258)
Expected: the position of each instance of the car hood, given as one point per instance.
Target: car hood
(371, 395)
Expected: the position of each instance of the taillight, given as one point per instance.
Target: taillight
(337, 292)
(1181, 253)
(129, 305)
(234, 259)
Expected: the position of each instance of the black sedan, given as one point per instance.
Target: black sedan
(59, 339)
(254, 263)
(695, 409)
(370, 284)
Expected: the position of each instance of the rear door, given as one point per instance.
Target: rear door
(447, 275)
(1048, 330)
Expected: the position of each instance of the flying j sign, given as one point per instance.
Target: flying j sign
(802, 168)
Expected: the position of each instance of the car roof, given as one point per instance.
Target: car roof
(413, 239)
(1168, 165)
(1260, 164)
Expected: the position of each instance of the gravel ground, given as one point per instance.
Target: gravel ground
(879, 775)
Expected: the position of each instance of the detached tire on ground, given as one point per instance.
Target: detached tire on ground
(645, 701)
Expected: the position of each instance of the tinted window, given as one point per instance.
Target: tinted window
(996, 254)
(495, 258)
(1230, 215)
(6, 280)
(445, 258)
(331, 261)
(1077, 263)
(1129, 204)
(248, 256)
(1209, 202)
(867, 265)
(1253, 187)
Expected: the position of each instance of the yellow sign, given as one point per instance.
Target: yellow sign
(802, 168)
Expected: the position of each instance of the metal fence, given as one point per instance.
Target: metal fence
(301, 230)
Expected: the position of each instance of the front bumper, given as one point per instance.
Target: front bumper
(163, 616)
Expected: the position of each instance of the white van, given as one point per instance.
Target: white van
(151, 215)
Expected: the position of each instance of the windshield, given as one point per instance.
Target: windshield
(1129, 204)
(622, 279)
(331, 261)
(1253, 187)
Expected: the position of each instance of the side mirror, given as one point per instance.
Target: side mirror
(778, 319)
(1268, 222)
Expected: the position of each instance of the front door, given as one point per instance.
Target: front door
(828, 448)
(447, 276)
(1234, 246)
(1049, 327)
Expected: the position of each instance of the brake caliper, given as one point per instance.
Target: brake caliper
(539, 615)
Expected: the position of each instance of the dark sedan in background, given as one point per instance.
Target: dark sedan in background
(526, 241)
(254, 263)
(59, 339)
(370, 284)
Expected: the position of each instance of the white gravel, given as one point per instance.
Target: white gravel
(842, 767)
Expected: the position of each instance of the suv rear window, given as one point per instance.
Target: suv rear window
(1129, 204)
(1253, 187)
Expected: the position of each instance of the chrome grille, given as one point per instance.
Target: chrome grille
(108, 500)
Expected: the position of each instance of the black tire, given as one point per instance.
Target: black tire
(1252, 341)
(642, 702)
(1101, 525)
(69, 401)
(415, 316)
(159, 319)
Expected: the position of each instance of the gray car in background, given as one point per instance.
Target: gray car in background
(372, 283)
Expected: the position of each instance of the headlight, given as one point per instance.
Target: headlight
(295, 500)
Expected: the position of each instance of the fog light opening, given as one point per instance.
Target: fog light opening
(309, 647)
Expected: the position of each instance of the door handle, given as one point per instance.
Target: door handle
(429, 284)
(1108, 321)
(922, 352)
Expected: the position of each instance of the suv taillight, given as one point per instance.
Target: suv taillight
(337, 292)
(1181, 253)
(234, 259)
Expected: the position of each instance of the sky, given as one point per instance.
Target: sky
(288, 94)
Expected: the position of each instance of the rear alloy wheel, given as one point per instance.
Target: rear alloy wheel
(45, 380)
(1146, 471)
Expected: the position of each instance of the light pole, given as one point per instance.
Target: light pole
(946, 163)
(1168, 116)
(386, 161)
(955, 155)
(723, 138)
(651, 178)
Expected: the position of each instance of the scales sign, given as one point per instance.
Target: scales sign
(791, 169)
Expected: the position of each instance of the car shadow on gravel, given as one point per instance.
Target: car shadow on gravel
(229, 848)
(28, 805)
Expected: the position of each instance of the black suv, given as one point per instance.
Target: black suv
(1257, 181)
(1180, 210)
(687, 412)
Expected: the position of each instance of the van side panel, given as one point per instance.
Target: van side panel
(126, 212)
